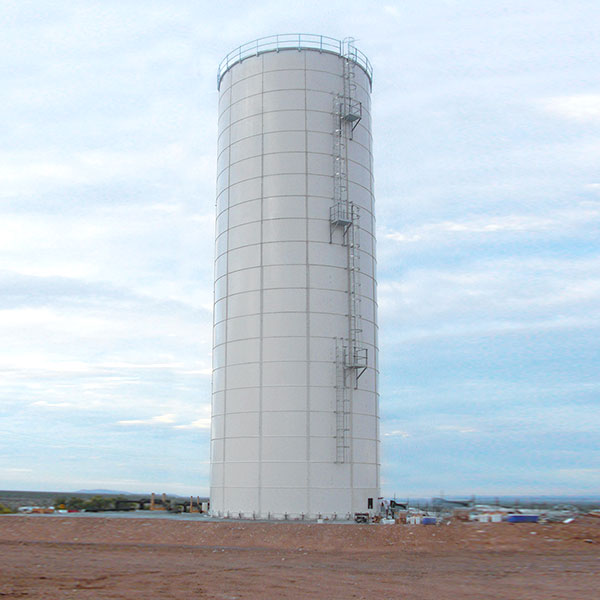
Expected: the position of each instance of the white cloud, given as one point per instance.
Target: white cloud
(28, 173)
(397, 433)
(559, 221)
(203, 423)
(46, 404)
(107, 172)
(578, 107)
(488, 297)
(392, 10)
(167, 419)
(457, 428)
(15, 470)
(590, 475)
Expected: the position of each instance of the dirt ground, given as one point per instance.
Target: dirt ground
(97, 558)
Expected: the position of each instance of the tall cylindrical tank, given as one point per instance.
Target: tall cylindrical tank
(295, 422)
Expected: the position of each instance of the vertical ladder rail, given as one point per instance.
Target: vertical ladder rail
(339, 214)
(352, 112)
(342, 404)
(357, 357)
(351, 355)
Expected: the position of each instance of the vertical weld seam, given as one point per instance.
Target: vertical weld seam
(352, 374)
(261, 330)
(226, 316)
(375, 313)
(307, 280)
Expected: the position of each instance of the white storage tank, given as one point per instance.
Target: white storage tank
(295, 422)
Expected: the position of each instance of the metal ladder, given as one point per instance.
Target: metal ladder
(357, 354)
(347, 115)
(342, 404)
(352, 110)
(351, 356)
(339, 214)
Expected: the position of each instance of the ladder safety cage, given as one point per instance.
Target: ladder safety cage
(358, 361)
(355, 351)
(351, 356)
(353, 113)
(352, 108)
(339, 216)
(342, 404)
(340, 212)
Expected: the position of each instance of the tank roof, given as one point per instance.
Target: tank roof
(296, 41)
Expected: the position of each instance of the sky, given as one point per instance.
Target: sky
(486, 124)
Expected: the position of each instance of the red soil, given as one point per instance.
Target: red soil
(96, 558)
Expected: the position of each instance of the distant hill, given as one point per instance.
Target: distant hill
(113, 492)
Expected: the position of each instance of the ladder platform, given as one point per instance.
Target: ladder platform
(351, 117)
(340, 215)
(358, 358)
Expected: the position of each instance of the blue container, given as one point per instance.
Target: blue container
(522, 519)
(428, 521)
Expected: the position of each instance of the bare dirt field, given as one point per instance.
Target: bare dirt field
(96, 558)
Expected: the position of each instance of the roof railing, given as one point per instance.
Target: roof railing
(296, 41)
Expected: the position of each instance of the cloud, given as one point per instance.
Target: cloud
(46, 404)
(491, 297)
(558, 222)
(173, 420)
(577, 107)
(203, 423)
(590, 474)
(392, 10)
(167, 419)
(457, 429)
(397, 433)
(11, 470)
(488, 259)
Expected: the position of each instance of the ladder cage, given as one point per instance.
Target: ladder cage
(342, 407)
(351, 355)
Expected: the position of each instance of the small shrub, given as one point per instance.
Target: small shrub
(4, 510)
(75, 503)
(97, 503)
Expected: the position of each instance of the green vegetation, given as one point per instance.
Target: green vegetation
(94, 504)
(75, 503)
(98, 503)
(4, 510)
(125, 503)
